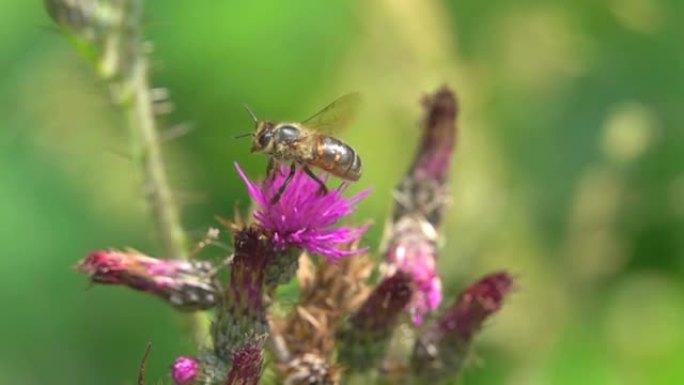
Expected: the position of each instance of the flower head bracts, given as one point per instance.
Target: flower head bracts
(185, 284)
(246, 364)
(241, 316)
(303, 217)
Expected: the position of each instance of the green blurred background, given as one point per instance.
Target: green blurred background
(569, 170)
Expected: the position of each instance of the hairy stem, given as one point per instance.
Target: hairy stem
(147, 151)
(149, 157)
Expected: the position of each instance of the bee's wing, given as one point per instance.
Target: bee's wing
(336, 115)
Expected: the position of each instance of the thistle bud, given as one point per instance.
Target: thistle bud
(368, 332)
(420, 201)
(185, 284)
(184, 370)
(441, 349)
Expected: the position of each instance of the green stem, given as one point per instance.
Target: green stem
(148, 155)
(109, 33)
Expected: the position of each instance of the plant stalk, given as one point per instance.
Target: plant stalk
(148, 156)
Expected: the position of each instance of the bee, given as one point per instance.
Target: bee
(309, 143)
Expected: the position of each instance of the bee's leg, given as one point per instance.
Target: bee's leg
(322, 188)
(272, 168)
(342, 186)
(288, 179)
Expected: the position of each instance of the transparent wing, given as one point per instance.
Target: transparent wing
(336, 115)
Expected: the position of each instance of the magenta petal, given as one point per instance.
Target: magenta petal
(304, 218)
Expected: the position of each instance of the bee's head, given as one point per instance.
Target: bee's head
(262, 136)
(262, 140)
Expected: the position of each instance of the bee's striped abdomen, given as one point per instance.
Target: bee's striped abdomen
(337, 158)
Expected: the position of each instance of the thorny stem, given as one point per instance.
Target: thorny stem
(113, 31)
(148, 155)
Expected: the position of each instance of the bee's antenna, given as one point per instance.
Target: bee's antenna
(243, 135)
(251, 113)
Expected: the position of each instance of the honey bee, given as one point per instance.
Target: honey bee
(309, 143)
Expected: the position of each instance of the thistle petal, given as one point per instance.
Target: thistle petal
(302, 217)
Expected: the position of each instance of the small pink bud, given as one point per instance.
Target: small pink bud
(184, 370)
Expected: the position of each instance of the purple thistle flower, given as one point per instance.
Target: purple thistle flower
(184, 370)
(303, 217)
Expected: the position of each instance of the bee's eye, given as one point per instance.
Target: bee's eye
(265, 138)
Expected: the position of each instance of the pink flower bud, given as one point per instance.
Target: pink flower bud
(184, 370)
(187, 285)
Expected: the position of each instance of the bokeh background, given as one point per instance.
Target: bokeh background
(569, 170)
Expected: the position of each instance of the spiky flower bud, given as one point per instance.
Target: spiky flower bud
(368, 332)
(420, 201)
(441, 349)
(186, 284)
